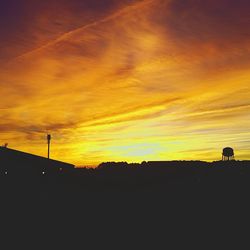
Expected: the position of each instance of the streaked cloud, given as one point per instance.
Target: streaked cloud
(129, 80)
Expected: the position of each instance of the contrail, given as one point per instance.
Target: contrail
(67, 35)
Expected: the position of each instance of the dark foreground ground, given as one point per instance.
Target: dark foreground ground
(129, 207)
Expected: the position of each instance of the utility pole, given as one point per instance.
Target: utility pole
(48, 139)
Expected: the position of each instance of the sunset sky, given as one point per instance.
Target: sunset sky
(125, 80)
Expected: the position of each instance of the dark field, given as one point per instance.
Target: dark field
(120, 203)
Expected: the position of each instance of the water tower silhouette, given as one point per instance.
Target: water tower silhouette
(227, 154)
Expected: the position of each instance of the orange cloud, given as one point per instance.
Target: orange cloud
(146, 80)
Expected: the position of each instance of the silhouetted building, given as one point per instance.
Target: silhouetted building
(227, 154)
(14, 161)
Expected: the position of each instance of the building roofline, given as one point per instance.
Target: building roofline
(33, 155)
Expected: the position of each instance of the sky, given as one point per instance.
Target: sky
(126, 80)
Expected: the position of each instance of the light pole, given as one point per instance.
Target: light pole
(48, 139)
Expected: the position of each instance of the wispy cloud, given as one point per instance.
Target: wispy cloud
(131, 80)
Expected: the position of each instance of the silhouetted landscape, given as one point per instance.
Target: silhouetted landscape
(116, 195)
(27, 174)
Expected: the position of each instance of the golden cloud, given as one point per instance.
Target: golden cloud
(151, 80)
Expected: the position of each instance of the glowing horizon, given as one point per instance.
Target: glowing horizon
(126, 80)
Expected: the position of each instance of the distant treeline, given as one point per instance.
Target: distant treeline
(190, 164)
